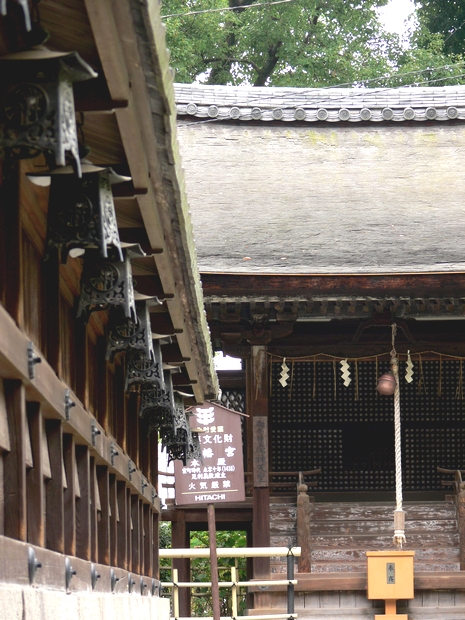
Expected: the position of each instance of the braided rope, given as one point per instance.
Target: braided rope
(399, 515)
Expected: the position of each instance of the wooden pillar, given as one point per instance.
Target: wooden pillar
(133, 427)
(303, 529)
(51, 271)
(148, 541)
(70, 493)
(54, 519)
(102, 378)
(83, 503)
(136, 534)
(113, 521)
(180, 540)
(257, 408)
(156, 545)
(122, 525)
(94, 507)
(9, 203)
(15, 520)
(103, 524)
(35, 479)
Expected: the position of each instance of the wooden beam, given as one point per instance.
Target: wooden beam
(135, 534)
(113, 520)
(226, 286)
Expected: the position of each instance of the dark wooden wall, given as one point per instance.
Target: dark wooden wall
(62, 485)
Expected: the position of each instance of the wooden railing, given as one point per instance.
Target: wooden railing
(459, 492)
(280, 486)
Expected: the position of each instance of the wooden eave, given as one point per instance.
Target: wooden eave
(129, 122)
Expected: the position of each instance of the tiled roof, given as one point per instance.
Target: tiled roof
(320, 104)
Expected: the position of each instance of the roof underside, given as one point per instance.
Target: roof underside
(319, 198)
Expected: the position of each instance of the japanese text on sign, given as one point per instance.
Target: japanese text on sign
(219, 475)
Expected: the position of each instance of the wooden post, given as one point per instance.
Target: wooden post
(35, 479)
(15, 462)
(94, 494)
(122, 525)
(213, 561)
(180, 540)
(303, 529)
(135, 556)
(70, 494)
(13, 244)
(148, 540)
(113, 521)
(83, 503)
(257, 407)
(55, 534)
(51, 271)
(103, 524)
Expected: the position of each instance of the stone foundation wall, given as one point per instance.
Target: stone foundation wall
(30, 603)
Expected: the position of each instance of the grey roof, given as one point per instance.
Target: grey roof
(326, 199)
(321, 104)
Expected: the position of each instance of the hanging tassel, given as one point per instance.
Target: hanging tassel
(409, 369)
(345, 373)
(284, 374)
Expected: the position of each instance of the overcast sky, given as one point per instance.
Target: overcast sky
(395, 13)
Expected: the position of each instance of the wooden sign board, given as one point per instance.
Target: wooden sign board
(220, 477)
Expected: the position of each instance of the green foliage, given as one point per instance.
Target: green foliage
(447, 18)
(314, 43)
(201, 604)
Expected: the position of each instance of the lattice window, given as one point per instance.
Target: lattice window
(233, 399)
(348, 431)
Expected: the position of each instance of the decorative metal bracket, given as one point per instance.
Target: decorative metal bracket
(131, 469)
(143, 484)
(156, 587)
(154, 495)
(32, 564)
(113, 579)
(69, 404)
(32, 360)
(94, 576)
(113, 453)
(131, 583)
(143, 586)
(95, 431)
(69, 572)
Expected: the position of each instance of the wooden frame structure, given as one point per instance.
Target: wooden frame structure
(78, 466)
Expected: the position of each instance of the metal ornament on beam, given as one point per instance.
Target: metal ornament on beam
(37, 104)
(108, 282)
(81, 211)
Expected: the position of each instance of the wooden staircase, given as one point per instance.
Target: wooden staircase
(342, 532)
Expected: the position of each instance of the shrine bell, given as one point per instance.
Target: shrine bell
(37, 104)
(81, 211)
(387, 384)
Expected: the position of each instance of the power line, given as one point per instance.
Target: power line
(228, 8)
